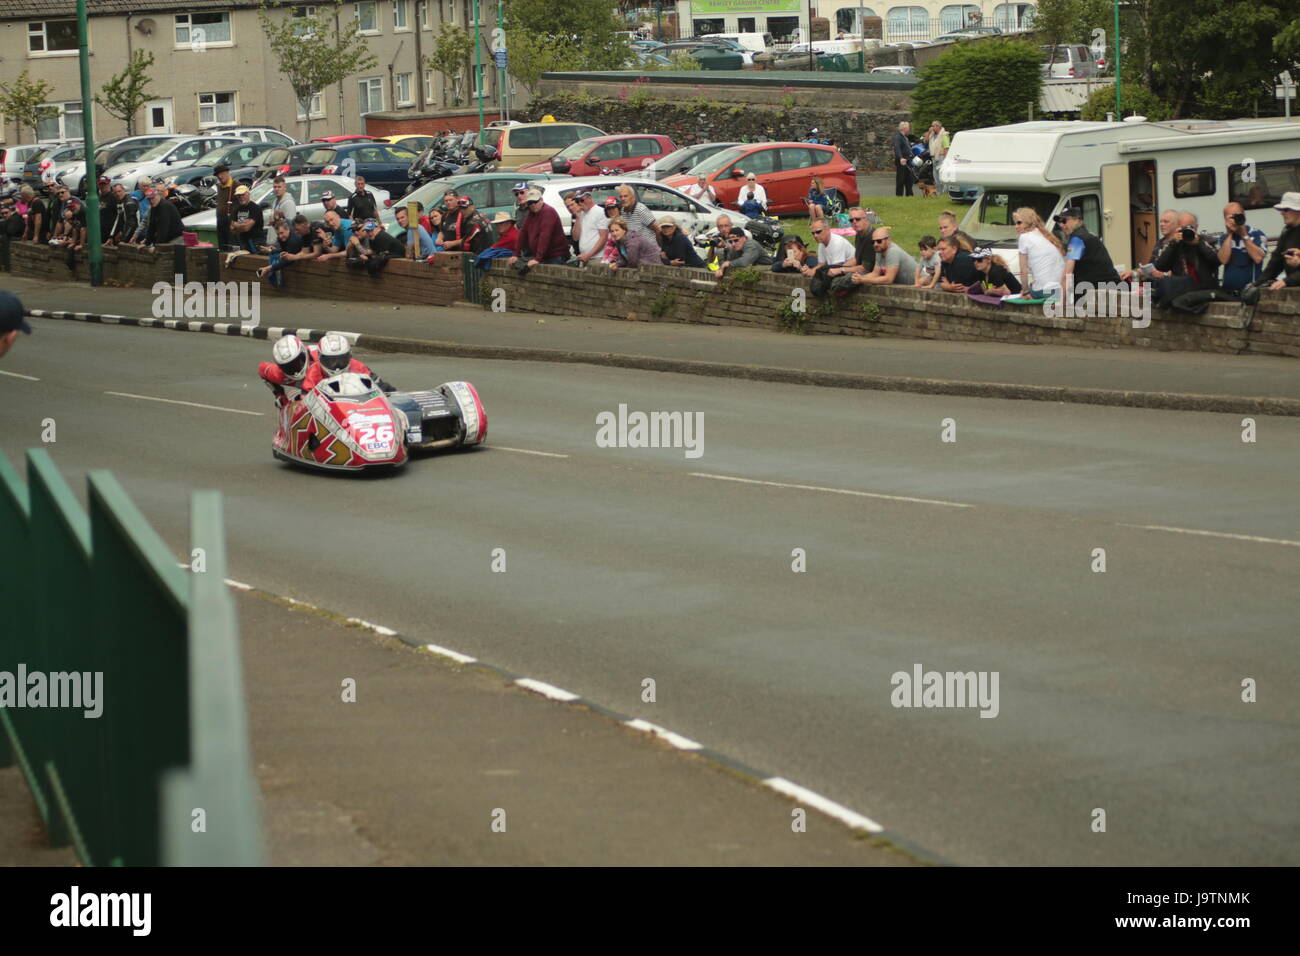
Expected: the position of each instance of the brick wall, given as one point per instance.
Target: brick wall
(439, 282)
(665, 294)
(427, 124)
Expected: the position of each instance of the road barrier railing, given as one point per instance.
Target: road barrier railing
(136, 751)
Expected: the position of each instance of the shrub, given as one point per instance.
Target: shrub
(1138, 101)
(979, 84)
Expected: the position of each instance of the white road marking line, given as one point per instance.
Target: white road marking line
(238, 585)
(527, 451)
(175, 401)
(30, 378)
(829, 807)
(677, 740)
(545, 689)
(834, 491)
(377, 628)
(456, 656)
(1214, 534)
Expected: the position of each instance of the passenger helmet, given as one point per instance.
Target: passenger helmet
(290, 355)
(335, 353)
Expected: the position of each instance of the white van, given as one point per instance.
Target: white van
(829, 46)
(1121, 175)
(754, 42)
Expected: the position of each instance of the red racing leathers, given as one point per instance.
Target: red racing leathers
(275, 377)
(317, 373)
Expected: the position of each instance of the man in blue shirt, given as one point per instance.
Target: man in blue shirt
(1241, 249)
(423, 247)
(340, 230)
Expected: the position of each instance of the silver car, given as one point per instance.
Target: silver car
(306, 192)
(692, 215)
(177, 151)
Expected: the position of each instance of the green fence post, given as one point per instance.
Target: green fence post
(15, 591)
(139, 605)
(220, 781)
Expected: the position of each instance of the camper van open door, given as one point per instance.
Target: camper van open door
(1116, 216)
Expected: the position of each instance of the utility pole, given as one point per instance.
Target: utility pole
(1119, 99)
(96, 260)
(478, 71)
(812, 66)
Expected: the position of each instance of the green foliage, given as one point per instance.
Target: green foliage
(453, 49)
(979, 84)
(1072, 21)
(544, 36)
(746, 276)
(663, 305)
(126, 92)
(640, 97)
(792, 320)
(313, 54)
(1137, 101)
(870, 311)
(21, 101)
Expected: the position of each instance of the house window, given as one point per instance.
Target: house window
(371, 94)
(368, 17)
(422, 10)
(304, 14)
(311, 108)
(216, 108)
(200, 30)
(66, 124)
(428, 86)
(403, 92)
(399, 15)
(52, 36)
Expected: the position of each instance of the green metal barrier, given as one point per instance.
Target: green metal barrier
(100, 593)
(473, 277)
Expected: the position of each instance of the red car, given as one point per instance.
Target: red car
(784, 170)
(347, 138)
(587, 157)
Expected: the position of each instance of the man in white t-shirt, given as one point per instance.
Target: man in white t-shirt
(595, 228)
(833, 251)
(701, 190)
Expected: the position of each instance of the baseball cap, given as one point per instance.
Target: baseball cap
(11, 314)
(370, 224)
(519, 188)
(610, 203)
(105, 180)
(464, 201)
(666, 221)
(533, 194)
(240, 190)
(1074, 212)
(1289, 202)
(584, 194)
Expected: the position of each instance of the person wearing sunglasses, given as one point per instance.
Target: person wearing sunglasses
(833, 257)
(893, 265)
(542, 233)
(741, 251)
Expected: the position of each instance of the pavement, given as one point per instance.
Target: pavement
(1139, 377)
(1120, 689)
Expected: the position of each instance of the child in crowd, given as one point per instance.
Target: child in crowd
(929, 263)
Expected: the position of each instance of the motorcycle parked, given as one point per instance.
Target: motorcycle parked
(767, 231)
(190, 198)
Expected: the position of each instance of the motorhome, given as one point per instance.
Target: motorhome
(1122, 174)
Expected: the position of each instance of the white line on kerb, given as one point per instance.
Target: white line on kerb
(829, 807)
(834, 491)
(527, 451)
(677, 740)
(30, 378)
(456, 656)
(377, 628)
(1214, 534)
(545, 689)
(175, 401)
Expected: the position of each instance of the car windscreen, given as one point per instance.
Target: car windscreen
(575, 150)
(991, 218)
(321, 157)
(156, 152)
(718, 161)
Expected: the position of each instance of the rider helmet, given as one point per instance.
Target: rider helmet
(291, 356)
(335, 353)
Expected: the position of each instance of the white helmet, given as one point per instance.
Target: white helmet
(290, 355)
(335, 353)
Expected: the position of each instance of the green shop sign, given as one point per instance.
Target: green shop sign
(745, 6)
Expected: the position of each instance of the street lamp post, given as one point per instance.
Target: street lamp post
(1119, 81)
(95, 260)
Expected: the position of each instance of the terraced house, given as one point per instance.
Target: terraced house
(213, 66)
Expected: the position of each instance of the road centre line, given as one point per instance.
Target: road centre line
(834, 491)
(1215, 534)
(527, 451)
(30, 378)
(176, 401)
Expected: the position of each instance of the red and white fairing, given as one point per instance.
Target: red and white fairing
(345, 423)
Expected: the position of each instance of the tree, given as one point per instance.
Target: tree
(1138, 101)
(452, 52)
(543, 35)
(979, 84)
(125, 93)
(315, 53)
(22, 101)
(1072, 21)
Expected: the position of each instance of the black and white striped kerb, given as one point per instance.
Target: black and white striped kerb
(185, 325)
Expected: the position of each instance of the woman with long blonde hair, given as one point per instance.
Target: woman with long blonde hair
(1041, 255)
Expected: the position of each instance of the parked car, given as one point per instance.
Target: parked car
(41, 167)
(712, 55)
(529, 142)
(645, 46)
(159, 160)
(254, 134)
(491, 193)
(1072, 60)
(792, 60)
(243, 160)
(682, 160)
(784, 170)
(692, 215)
(110, 154)
(957, 35)
(384, 164)
(731, 46)
(646, 60)
(306, 192)
(897, 70)
(754, 42)
(13, 158)
(284, 161)
(588, 157)
(413, 141)
(348, 138)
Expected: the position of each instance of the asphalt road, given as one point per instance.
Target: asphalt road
(1118, 690)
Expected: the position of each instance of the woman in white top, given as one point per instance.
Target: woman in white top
(1040, 255)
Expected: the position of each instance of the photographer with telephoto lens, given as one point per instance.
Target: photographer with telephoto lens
(1241, 249)
(1192, 263)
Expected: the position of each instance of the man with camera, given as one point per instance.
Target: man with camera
(1241, 250)
(1192, 263)
(1086, 258)
(1288, 240)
